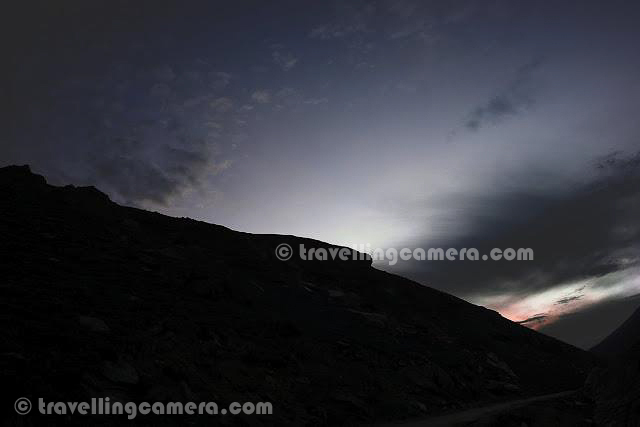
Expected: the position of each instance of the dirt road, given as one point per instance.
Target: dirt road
(470, 415)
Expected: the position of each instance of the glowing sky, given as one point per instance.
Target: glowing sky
(393, 123)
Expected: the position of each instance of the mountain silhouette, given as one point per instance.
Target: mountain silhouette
(623, 340)
(615, 387)
(102, 300)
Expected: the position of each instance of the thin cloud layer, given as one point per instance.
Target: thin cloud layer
(589, 230)
(515, 98)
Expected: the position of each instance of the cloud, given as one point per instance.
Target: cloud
(497, 108)
(144, 134)
(418, 28)
(219, 79)
(134, 178)
(261, 96)
(217, 168)
(587, 231)
(533, 320)
(222, 104)
(316, 101)
(567, 300)
(350, 19)
(411, 19)
(286, 61)
(288, 97)
(511, 100)
(327, 32)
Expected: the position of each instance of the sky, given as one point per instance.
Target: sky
(399, 123)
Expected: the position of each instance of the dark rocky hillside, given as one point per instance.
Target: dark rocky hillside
(615, 388)
(623, 339)
(98, 299)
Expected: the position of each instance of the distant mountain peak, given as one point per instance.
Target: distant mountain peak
(623, 340)
(22, 178)
(19, 172)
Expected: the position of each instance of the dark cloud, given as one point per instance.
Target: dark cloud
(132, 177)
(586, 231)
(516, 97)
(567, 300)
(533, 320)
(162, 144)
(286, 61)
(497, 108)
(119, 108)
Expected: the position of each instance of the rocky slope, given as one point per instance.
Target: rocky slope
(615, 387)
(103, 300)
(623, 339)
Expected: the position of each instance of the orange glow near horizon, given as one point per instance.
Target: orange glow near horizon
(546, 307)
